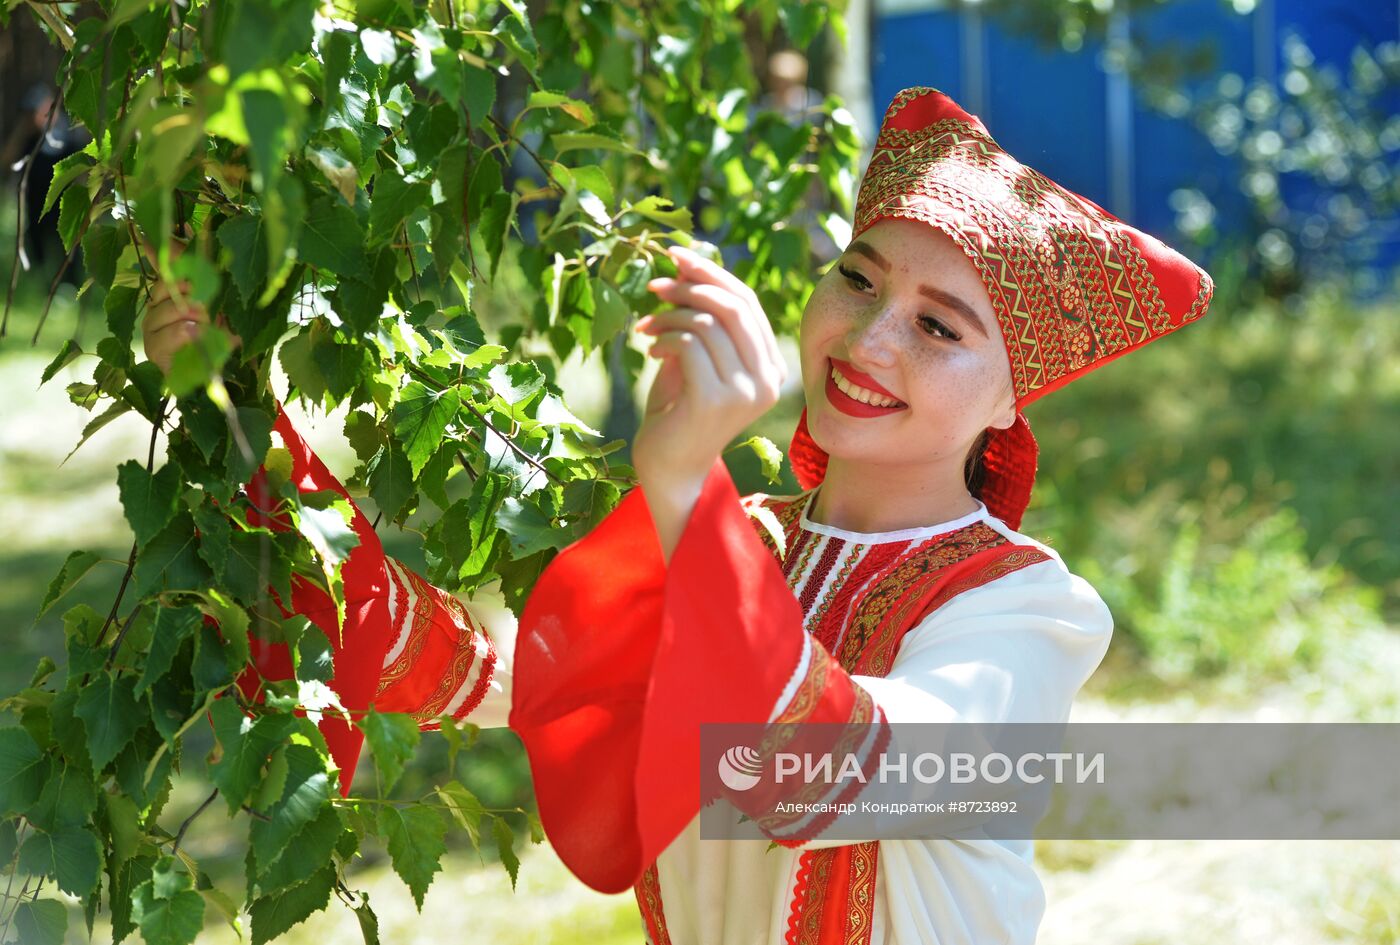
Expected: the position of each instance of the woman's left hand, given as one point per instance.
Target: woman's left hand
(723, 370)
(167, 327)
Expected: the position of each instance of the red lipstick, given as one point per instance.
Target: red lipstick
(861, 379)
(849, 405)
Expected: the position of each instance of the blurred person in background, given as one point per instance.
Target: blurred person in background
(44, 131)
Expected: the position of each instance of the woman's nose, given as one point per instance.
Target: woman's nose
(871, 339)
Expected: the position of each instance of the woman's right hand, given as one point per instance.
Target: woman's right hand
(722, 371)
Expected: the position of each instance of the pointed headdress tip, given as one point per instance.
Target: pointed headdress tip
(921, 105)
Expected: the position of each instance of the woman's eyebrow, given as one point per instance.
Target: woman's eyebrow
(938, 295)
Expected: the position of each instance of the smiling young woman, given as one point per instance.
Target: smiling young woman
(894, 588)
(903, 371)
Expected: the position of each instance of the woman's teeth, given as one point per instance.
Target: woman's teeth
(860, 393)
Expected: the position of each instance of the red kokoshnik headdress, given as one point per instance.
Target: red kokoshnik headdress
(1073, 286)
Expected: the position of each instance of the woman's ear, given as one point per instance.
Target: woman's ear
(1006, 416)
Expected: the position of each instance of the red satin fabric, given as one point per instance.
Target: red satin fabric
(618, 660)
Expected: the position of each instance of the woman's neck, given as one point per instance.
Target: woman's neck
(872, 497)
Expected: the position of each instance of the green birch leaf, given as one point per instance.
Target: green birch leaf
(420, 418)
(464, 807)
(256, 561)
(341, 366)
(124, 882)
(149, 501)
(212, 668)
(65, 172)
(274, 782)
(72, 214)
(478, 92)
(484, 355)
(488, 492)
(315, 660)
(390, 480)
(664, 212)
(68, 799)
(332, 238)
(394, 199)
(517, 383)
(111, 715)
(769, 456)
(505, 846)
(255, 33)
(64, 724)
(516, 32)
(215, 529)
(174, 625)
(75, 567)
(81, 625)
(101, 249)
(71, 855)
(328, 530)
(171, 560)
(610, 312)
(166, 908)
(23, 770)
(431, 130)
(308, 789)
(65, 356)
(123, 822)
(41, 922)
(485, 183)
(392, 737)
(246, 744)
(98, 422)
(593, 178)
(494, 221)
(573, 140)
(245, 240)
(369, 922)
(9, 839)
(416, 838)
(531, 530)
(198, 362)
(275, 914)
(270, 114)
(340, 172)
(309, 850)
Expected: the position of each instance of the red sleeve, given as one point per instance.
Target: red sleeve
(440, 660)
(358, 649)
(619, 659)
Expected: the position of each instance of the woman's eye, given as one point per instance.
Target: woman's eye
(853, 277)
(932, 325)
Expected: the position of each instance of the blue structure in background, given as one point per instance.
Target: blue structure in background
(1068, 118)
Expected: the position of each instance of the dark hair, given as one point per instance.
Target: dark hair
(974, 470)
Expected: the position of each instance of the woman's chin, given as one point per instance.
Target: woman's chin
(841, 435)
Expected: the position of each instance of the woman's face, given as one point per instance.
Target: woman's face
(902, 321)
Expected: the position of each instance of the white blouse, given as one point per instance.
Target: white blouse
(1016, 649)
